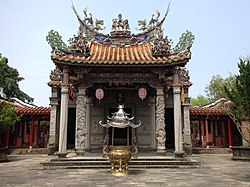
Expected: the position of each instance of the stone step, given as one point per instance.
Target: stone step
(134, 163)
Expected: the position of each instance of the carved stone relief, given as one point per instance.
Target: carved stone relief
(80, 121)
(160, 122)
(52, 125)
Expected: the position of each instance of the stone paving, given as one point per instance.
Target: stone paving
(218, 170)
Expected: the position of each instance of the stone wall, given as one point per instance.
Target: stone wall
(144, 132)
(96, 131)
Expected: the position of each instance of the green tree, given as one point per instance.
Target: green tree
(215, 89)
(8, 117)
(239, 109)
(200, 100)
(9, 81)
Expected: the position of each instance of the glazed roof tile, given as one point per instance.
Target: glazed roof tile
(121, 55)
(54, 83)
(33, 111)
(207, 111)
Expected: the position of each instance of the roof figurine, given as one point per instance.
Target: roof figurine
(149, 47)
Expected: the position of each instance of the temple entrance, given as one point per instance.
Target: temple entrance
(71, 128)
(121, 135)
(169, 121)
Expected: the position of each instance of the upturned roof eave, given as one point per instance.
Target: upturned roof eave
(122, 63)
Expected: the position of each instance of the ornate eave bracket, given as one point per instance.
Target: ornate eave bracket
(56, 74)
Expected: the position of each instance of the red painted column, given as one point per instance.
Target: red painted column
(32, 132)
(200, 133)
(230, 137)
(16, 134)
(213, 131)
(207, 135)
(221, 133)
(38, 133)
(6, 138)
(23, 132)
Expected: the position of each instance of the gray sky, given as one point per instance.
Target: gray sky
(221, 29)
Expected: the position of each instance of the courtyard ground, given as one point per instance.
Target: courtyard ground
(217, 170)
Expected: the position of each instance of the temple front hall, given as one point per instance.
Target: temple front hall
(97, 72)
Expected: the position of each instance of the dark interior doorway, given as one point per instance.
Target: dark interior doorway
(169, 121)
(237, 138)
(71, 128)
(120, 134)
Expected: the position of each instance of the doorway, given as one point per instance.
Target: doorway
(169, 121)
(71, 128)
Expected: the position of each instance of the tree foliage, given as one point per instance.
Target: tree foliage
(200, 100)
(8, 115)
(239, 95)
(9, 81)
(215, 90)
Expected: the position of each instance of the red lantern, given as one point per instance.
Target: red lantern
(99, 93)
(142, 92)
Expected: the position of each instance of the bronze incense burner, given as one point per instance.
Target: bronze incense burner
(119, 155)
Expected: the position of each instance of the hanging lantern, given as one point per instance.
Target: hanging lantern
(142, 93)
(99, 93)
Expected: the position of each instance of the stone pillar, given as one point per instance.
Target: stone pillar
(160, 122)
(53, 122)
(177, 121)
(80, 138)
(88, 113)
(152, 122)
(63, 116)
(187, 128)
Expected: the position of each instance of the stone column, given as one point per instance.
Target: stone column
(152, 122)
(80, 138)
(160, 122)
(53, 122)
(187, 131)
(63, 116)
(88, 113)
(177, 121)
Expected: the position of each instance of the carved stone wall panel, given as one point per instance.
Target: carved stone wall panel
(96, 115)
(96, 140)
(144, 132)
(95, 127)
(145, 124)
(96, 111)
(143, 140)
(52, 133)
(143, 111)
(96, 131)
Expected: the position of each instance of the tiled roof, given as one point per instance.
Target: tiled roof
(33, 111)
(207, 111)
(54, 83)
(121, 55)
